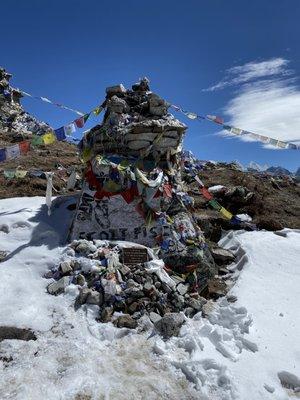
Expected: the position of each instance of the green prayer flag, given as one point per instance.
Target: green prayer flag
(86, 117)
(214, 204)
(37, 140)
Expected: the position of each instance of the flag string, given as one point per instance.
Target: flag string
(46, 100)
(237, 131)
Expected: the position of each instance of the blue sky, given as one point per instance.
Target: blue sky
(237, 59)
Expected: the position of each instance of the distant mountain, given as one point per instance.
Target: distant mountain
(279, 171)
(297, 173)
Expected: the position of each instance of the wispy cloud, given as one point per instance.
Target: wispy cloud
(266, 100)
(276, 67)
(269, 107)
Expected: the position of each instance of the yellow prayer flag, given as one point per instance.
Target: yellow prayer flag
(20, 173)
(97, 110)
(49, 138)
(226, 213)
(86, 154)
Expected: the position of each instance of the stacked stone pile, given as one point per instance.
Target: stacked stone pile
(133, 188)
(13, 118)
(96, 270)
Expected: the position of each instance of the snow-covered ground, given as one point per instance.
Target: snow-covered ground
(247, 350)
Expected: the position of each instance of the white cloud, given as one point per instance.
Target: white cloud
(269, 107)
(251, 71)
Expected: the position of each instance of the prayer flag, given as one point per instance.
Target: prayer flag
(79, 122)
(225, 213)
(20, 173)
(176, 107)
(49, 138)
(236, 131)
(206, 194)
(227, 127)
(37, 140)
(70, 129)
(86, 154)
(10, 174)
(273, 142)
(60, 133)
(292, 146)
(24, 147)
(86, 117)
(214, 204)
(216, 119)
(2, 155)
(97, 110)
(46, 100)
(12, 151)
(191, 115)
(283, 145)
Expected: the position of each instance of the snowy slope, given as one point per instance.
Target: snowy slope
(235, 353)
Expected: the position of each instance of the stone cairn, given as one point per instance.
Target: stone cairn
(133, 192)
(13, 119)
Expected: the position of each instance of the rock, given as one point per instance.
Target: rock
(124, 269)
(3, 255)
(58, 287)
(189, 311)
(117, 89)
(222, 256)
(182, 289)
(4, 228)
(106, 314)
(80, 280)
(208, 308)
(170, 325)
(82, 297)
(65, 267)
(132, 308)
(197, 304)
(269, 224)
(86, 247)
(11, 332)
(217, 288)
(231, 298)
(154, 317)
(95, 298)
(125, 321)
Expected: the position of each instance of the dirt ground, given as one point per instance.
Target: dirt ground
(273, 206)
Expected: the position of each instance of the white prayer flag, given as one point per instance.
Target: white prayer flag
(70, 129)
(12, 152)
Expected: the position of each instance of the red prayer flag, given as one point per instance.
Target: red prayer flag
(79, 122)
(24, 147)
(206, 193)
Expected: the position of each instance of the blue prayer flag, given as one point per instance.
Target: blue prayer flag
(2, 155)
(60, 133)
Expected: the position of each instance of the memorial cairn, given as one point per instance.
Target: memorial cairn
(135, 249)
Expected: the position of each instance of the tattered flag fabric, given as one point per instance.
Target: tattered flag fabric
(49, 138)
(12, 151)
(60, 134)
(20, 173)
(24, 147)
(79, 122)
(70, 129)
(2, 155)
(225, 213)
(37, 140)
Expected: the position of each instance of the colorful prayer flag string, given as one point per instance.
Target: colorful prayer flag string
(237, 131)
